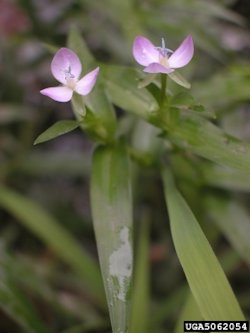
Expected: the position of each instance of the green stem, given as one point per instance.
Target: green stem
(163, 96)
(164, 110)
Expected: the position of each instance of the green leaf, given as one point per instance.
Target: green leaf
(228, 87)
(50, 47)
(91, 122)
(122, 86)
(19, 308)
(186, 102)
(190, 311)
(140, 299)
(146, 143)
(218, 176)
(203, 138)
(111, 203)
(31, 275)
(149, 78)
(77, 43)
(179, 79)
(199, 108)
(168, 307)
(190, 132)
(233, 220)
(183, 99)
(57, 129)
(207, 281)
(44, 226)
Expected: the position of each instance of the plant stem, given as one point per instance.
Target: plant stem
(163, 96)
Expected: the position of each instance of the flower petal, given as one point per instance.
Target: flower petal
(86, 84)
(144, 51)
(59, 94)
(183, 54)
(157, 68)
(65, 62)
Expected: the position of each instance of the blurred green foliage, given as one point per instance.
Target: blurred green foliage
(45, 286)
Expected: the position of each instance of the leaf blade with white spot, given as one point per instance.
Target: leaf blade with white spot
(111, 204)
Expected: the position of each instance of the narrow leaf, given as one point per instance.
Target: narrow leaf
(146, 142)
(140, 299)
(26, 273)
(111, 203)
(166, 310)
(182, 99)
(191, 132)
(179, 79)
(57, 129)
(190, 311)
(203, 138)
(77, 43)
(149, 78)
(18, 307)
(226, 178)
(207, 281)
(233, 219)
(122, 87)
(44, 226)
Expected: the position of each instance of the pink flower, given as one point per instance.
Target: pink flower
(161, 59)
(66, 68)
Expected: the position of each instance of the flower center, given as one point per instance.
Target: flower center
(70, 78)
(164, 53)
(163, 60)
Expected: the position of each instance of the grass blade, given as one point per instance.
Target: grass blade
(234, 221)
(190, 311)
(17, 306)
(45, 227)
(207, 281)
